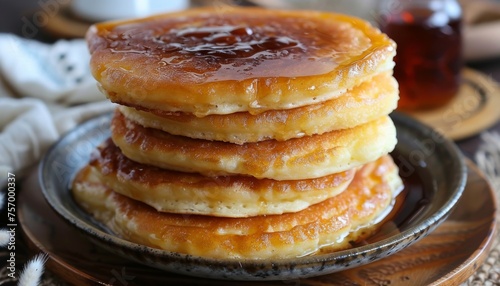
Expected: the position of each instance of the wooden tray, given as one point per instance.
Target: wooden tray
(474, 109)
(448, 256)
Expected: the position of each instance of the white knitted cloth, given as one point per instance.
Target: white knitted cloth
(45, 90)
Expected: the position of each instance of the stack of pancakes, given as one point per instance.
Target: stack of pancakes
(243, 133)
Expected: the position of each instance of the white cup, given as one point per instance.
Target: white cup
(103, 10)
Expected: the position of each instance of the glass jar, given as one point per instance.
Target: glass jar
(428, 34)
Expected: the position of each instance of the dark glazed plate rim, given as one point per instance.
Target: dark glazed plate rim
(71, 152)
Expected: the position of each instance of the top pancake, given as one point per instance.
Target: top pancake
(205, 61)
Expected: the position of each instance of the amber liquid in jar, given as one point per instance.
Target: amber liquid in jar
(429, 56)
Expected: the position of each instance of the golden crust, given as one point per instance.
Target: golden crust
(332, 223)
(366, 102)
(191, 193)
(300, 158)
(204, 62)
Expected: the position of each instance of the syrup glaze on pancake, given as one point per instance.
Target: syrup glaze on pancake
(299, 158)
(368, 101)
(191, 193)
(203, 61)
(331, 223)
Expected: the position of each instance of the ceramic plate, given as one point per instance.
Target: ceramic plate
(432, 168)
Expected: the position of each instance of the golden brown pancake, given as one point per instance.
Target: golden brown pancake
(191, 193)
(331, 223)
(202, 61)
(368, 101)
(300, 158)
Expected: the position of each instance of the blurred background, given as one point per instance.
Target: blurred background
(49, 20)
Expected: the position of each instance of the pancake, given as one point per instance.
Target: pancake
(366, 102)
(201, 61)
(331, 223)
(300, 158)
(191, 193)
